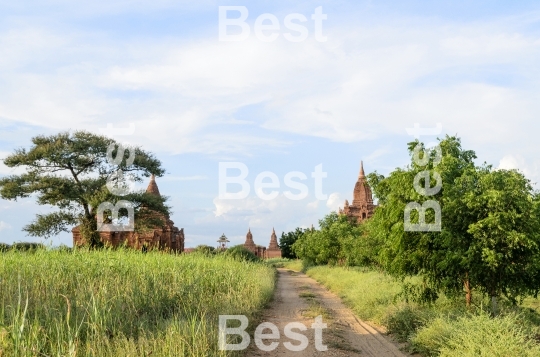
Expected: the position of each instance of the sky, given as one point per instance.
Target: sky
(470, 68)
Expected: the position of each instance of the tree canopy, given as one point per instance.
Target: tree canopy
(338, 241)
(489, 234)
(76, 172)
(287, 240)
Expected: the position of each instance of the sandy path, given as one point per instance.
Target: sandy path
(298, 298)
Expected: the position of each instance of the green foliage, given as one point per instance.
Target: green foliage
(27, 246)
(22, 247)
(477, 335)
(405, 322)
(241, 253)
(296, 265)
(122, 302)
(205, 249)
(69, 171)
(339, 241)
(429, 339)
(287, 240)
(489, 239)
(503, 252)
(277, 262)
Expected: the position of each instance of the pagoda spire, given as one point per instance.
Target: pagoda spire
(152, 186)
(273, 241)
(249, 238)
(362, 174)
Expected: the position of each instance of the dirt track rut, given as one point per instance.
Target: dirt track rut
(298, 298)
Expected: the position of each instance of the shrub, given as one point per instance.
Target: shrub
(277, 262)
(503, 336)
(27, 246)
(239, 252)
(429, 339)
(405, 322)
(205, 249)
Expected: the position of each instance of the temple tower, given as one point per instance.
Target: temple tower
(250, 244)
(152, 186)
(362, 206)
(273, 250)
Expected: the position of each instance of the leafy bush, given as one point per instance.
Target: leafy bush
(241, 253)
(477, 335)
(338, 242)
(405, 322)
(429, 339)
(27, 246)
(204, 249)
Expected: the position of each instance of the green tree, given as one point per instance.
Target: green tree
(338, 241)
(502, 254)
(287, 240)
(70, 171)
(488, 238)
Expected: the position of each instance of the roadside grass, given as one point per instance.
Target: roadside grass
(293, 265)
(444, 328)
(123, 302)
(277, 262)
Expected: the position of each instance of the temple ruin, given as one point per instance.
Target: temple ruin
(167, 237)
(362, 206)
(273, 250)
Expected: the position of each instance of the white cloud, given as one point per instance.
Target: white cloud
(517, 162)
(254, 212)
(4, 170)
(334, 201)
(365, 82)
(4, 226)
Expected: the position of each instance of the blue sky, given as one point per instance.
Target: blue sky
(278, 106)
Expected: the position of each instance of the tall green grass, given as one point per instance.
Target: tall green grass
(444, 328)
(123, 303)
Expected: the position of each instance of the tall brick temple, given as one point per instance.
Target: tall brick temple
(167, 237)
(362, 206)
(273, 250)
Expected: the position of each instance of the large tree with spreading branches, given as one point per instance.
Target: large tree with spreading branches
(78, 171)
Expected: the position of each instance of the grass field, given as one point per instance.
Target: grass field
(445, 328)
(123, 303)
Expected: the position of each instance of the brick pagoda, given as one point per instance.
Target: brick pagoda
(273, 250)
(167, 237)
(362, 206)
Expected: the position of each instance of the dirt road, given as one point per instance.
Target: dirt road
(298, 298)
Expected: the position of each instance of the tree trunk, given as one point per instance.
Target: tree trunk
(468, 292)
(494, 305)
(90, 233)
